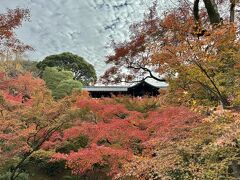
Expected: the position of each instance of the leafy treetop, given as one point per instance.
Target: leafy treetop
(83, 71)
(9, 21)
(60, 82)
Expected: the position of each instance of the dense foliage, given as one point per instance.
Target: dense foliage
(49, 129)
(60, 82)
(85, 134)
(196, 58)
(82, 70)
(9, 43)
(81, 136)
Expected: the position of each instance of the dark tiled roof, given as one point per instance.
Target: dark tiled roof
(119, 88)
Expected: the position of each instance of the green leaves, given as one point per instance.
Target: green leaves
(82, 70)
(54, 76)
(60, 82)
(66, 87)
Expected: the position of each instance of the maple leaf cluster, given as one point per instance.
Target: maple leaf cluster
(9, 21)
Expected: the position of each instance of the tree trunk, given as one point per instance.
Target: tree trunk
(196, 10)
(232, 10)
(212, 11)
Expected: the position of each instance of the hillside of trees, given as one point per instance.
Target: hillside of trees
(51, 129)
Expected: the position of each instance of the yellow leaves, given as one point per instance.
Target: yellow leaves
(42, 154)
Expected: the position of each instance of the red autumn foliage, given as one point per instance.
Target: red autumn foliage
(15, 88)
(170, 123)
(134, 59)
(134, 55)
(84, 159)
(26, 82)
(111, 136)
(15, 99)
(9, 21)
(110, 133)
(117, 134)
(106, 110)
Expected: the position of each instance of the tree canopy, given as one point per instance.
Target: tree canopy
(60, 82)
(82, 70)
(9, 44)
(179, 48)
(181, 134)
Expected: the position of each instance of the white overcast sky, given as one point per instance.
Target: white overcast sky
(83, 27)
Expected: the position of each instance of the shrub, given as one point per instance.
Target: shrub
(73, 144)
(21, 176)
(40, 161)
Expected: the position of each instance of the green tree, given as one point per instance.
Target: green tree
(83, 71)
(60, 82)
(66, 87)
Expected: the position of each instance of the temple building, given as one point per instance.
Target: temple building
(140, 89)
